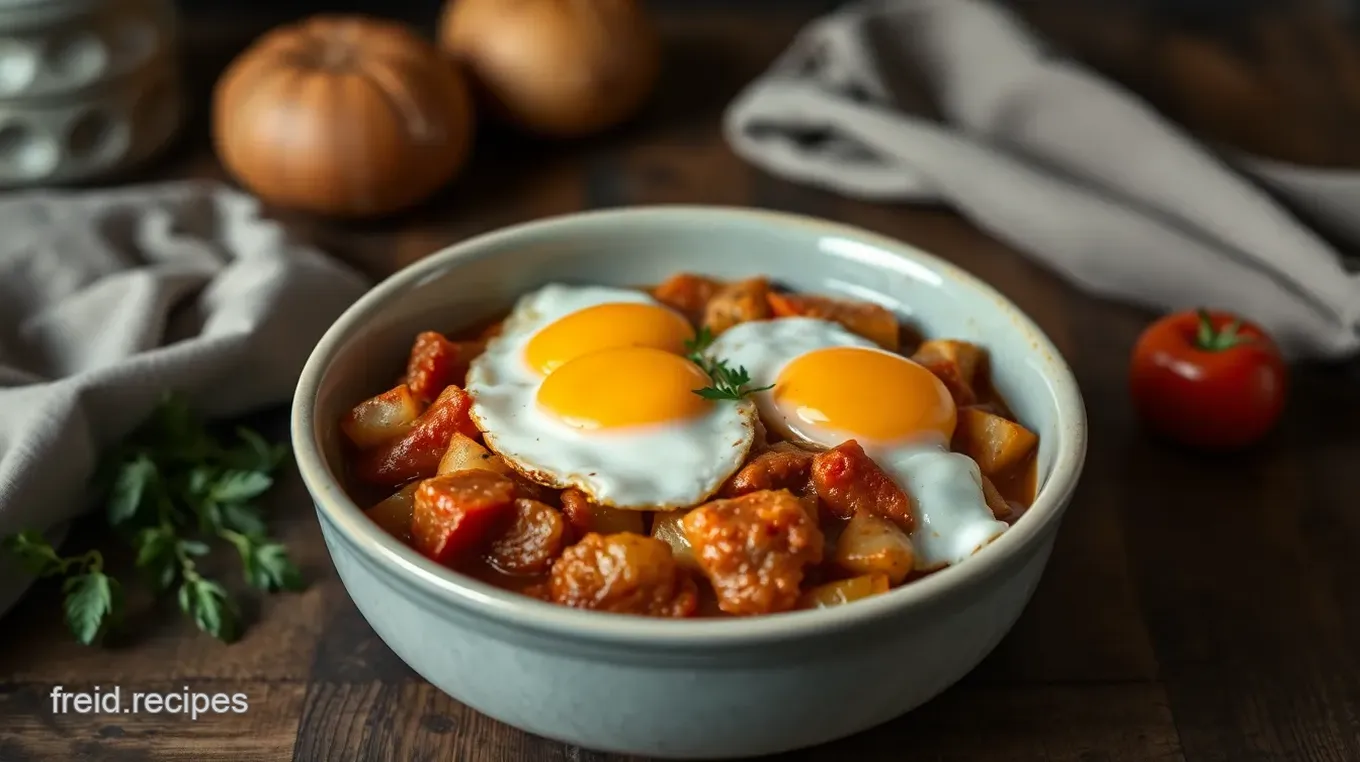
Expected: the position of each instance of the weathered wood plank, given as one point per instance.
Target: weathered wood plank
(30, 731)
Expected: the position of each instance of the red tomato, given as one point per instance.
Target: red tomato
(1208, 380)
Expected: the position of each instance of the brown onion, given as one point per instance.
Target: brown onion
(342, 115)
(560, 68)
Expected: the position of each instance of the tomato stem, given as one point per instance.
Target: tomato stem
(1210, 339)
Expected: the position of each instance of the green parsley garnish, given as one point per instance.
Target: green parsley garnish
(728, 384)
(170, 488)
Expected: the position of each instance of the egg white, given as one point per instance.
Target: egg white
(952, 517)
(662, 466)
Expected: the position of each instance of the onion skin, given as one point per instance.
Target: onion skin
(555, 68)
(344, 116)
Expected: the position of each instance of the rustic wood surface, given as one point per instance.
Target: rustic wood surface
(1201, 609)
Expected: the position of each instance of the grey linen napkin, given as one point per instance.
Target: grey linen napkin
(110, 298)
(1042, 154)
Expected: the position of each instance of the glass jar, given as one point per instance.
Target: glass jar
(87, 87)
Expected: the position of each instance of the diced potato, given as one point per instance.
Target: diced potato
(382, 418)
(955, 363)
(394, 513)
(465, 454)
(844, 591)
(666, 527)
(997, 444)
(586, 516)
(873, 545)
(416, 454)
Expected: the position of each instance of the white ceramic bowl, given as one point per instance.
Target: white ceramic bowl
(695, 688)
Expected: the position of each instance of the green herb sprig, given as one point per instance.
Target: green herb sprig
(728, 384)
(94, 600)
(169, 489)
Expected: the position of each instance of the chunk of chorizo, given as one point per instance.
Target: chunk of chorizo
(435, 362)
(848, 481)
(455, 513)
(873, 322)
(535, 538)
(623, 573)
(754, 549)
(687, 294)
(955, 363)
(783, 466)
(417, 453)
(739, 302)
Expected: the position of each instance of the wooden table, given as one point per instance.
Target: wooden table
(1202, 609)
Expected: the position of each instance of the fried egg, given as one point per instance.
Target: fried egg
(589, 387)
(830, 385)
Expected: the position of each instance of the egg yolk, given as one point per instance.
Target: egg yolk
(606, 326)
(865, 393)
(624, 386)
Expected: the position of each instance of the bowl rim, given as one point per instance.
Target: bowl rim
(519, 611)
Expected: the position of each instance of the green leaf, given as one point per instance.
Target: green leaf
(129, 488)
(211, 608)
(696, 346)
(34, 553)
(94, 601)
(267, 565)
(263, 456)
(152, 543)
(278, 567)
(243, 518)
(193, 548)
(710, 393)
(201, 480)
(172, 423)
(209, 517)
(156, 555)
(237, 486)
(155, 550)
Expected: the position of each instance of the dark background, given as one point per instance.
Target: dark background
(1183, 9)
(1274, 78)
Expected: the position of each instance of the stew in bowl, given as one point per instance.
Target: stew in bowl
(696, 448)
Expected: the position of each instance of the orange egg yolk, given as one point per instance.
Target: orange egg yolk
(624, 386)
(865, 393)
(606, 326)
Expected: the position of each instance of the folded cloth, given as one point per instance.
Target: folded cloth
(1044, 155)
(110, 298)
